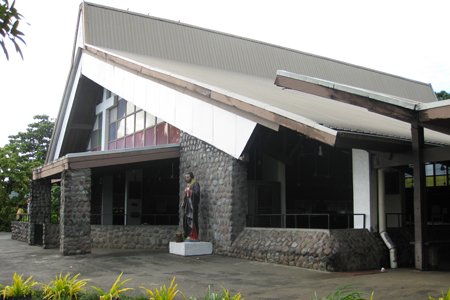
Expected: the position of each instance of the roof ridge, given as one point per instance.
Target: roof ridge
(256, 41)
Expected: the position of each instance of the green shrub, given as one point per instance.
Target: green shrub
(18, 287)
(64, 287)
(163, 293)
(444, 297)
(114, 291)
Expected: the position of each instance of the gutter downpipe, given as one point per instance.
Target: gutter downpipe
(382, 220)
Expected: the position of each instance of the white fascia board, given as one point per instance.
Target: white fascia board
(441, 103)
(405, 103)
(169, 104)
(69, 96)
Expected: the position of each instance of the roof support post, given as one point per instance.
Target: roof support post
(420, 203)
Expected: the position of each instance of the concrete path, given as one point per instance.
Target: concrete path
(254, 280)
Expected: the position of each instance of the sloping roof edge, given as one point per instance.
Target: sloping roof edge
(435, 116)
(252, 106)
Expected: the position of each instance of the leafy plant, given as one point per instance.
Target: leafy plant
(228, 297)
(18, 287)
(211, 296)
(64, 287)
(114, 291)
(9, 21)
(444, 297)
(343, 294)
(163, 293)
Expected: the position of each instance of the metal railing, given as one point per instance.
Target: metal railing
(139, 219)
(394, 220)
(317, 221)
(54, 219)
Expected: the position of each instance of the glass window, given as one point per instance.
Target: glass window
(149, 120)
(429, 170)
(121, 109)
(112, 131)
(100, 120)
(140, 120)
(112, 146)
(113, 114)
(130, 125)
(174, 135)
(99, 137)
(161, 134)
(129, 142)
(94, 139)
(119, 144)
(150, 137)
(130, 108)
(139, 139)
(120, 128)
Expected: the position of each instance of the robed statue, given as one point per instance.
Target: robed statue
(190, 203)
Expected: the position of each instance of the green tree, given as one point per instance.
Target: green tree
(25, 151)
(9, 22)
(442, 95)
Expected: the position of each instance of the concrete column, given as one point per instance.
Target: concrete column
(75, 212)
(364, 193)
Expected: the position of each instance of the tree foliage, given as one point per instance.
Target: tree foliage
(442, 95)
(9, 22)
(25, 151)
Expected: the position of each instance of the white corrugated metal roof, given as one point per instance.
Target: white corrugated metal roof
(149, 36)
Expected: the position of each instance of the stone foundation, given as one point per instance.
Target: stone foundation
(20, 231)
(132, 237)
(335, 250)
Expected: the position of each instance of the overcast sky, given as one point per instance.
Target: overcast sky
(405, 38)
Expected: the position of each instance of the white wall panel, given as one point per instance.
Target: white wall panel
(128, 86)
(244, 129)
(224, 128)
(169, 99)
(152, 98)
(220, 128)
(183, 114)
(202, 120)
(140, 88)
(117, 85)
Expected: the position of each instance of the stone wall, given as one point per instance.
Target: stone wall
(20, 231)
(75, 212)
(223, 184)
(40, 206)
(51, 236)
(132, 237)
(335, 250)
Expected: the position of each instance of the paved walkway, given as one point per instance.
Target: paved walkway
(254, 280)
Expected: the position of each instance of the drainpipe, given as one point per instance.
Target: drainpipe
(382, 220)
